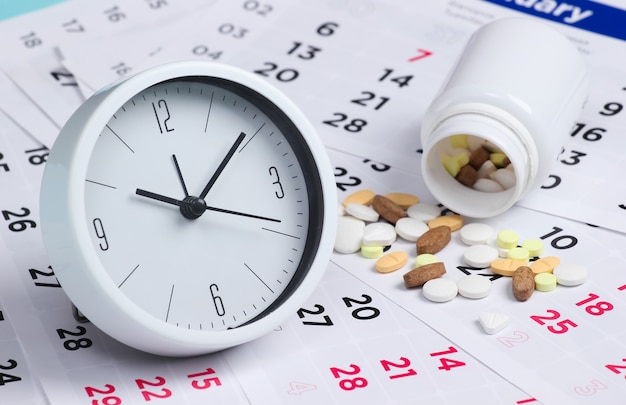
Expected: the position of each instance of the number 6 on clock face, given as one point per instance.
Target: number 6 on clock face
(188, 209)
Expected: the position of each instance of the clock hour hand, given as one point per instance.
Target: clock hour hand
(222, 165)
(159, 197)
(193, 207)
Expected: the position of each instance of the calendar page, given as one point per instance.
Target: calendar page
(364, 72)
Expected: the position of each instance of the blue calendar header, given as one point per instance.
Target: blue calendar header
(583, 14)
(12, 8)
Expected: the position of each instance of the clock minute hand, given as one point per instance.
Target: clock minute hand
(222, 165)
(243, 214)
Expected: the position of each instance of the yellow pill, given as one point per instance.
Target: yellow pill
(545, 282)
(451, 165)
(518, 253)
(363, 197)
(425, 258)
(404, 200)
(371, 252)
(391, 261)
(534, 246)
(507, 239)
(506, 267)
(499, 159)
(459, 141)
(545, 264)
(461, 158)
(454, 222)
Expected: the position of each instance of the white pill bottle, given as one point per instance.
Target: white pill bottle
(518, 87)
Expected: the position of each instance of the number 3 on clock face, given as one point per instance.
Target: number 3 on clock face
(188, 209)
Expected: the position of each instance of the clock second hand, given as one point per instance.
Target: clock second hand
(181, 203)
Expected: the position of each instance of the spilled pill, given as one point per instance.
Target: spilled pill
(570, 274)
(423, 211)
(546, 264)
(518, 253)
(534, 246)
(523, 283)
(493, 322)
(364, 197)
(425, 258)
(476, 233)
(404, 200)
(410, 228)
(454, 222)
(545, 282)
(349, 234)
(371, 252)
(505, 267)
(378, 234)
(363, 212)
(440, 290)
(507, 239)
(391, 261)
(474, 286)
(480, 256)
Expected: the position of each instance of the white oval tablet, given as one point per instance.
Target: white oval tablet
(570, 274)
(504, 177)
(379, 234)
(487, 186)
(480, 256)
(360, 211)
(410, 228)
(341, 211)
(349, 234)
(423, 211)
(476, 234)
(440, 290)
(474, 286)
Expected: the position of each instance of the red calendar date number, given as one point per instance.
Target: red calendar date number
(153, 388)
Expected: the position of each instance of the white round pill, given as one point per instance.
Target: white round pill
(349, 234)
(570, 274)
(493, 322)
(379, 234)
(360, 211)
(423, 211)
(410, 228)
(439, 290)
(474, 286)
(487, 186)
(476, 234)
(480, 256)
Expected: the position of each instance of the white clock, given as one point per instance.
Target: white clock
(188, 209)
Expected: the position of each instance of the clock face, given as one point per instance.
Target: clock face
(203, 203)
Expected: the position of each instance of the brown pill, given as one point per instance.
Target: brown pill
(523, 283)
(467, 176)
(433, 240)
(388, 209)
(478, 157)
(420, 275)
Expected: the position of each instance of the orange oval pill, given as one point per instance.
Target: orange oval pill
(545, 264)
(363, 197)
(391, 261)
(454, 222)
(405, 200)
(506, 267)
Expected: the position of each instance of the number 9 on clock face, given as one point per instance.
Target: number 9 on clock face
(188, 209)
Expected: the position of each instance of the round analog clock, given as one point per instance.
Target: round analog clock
(188, 209)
